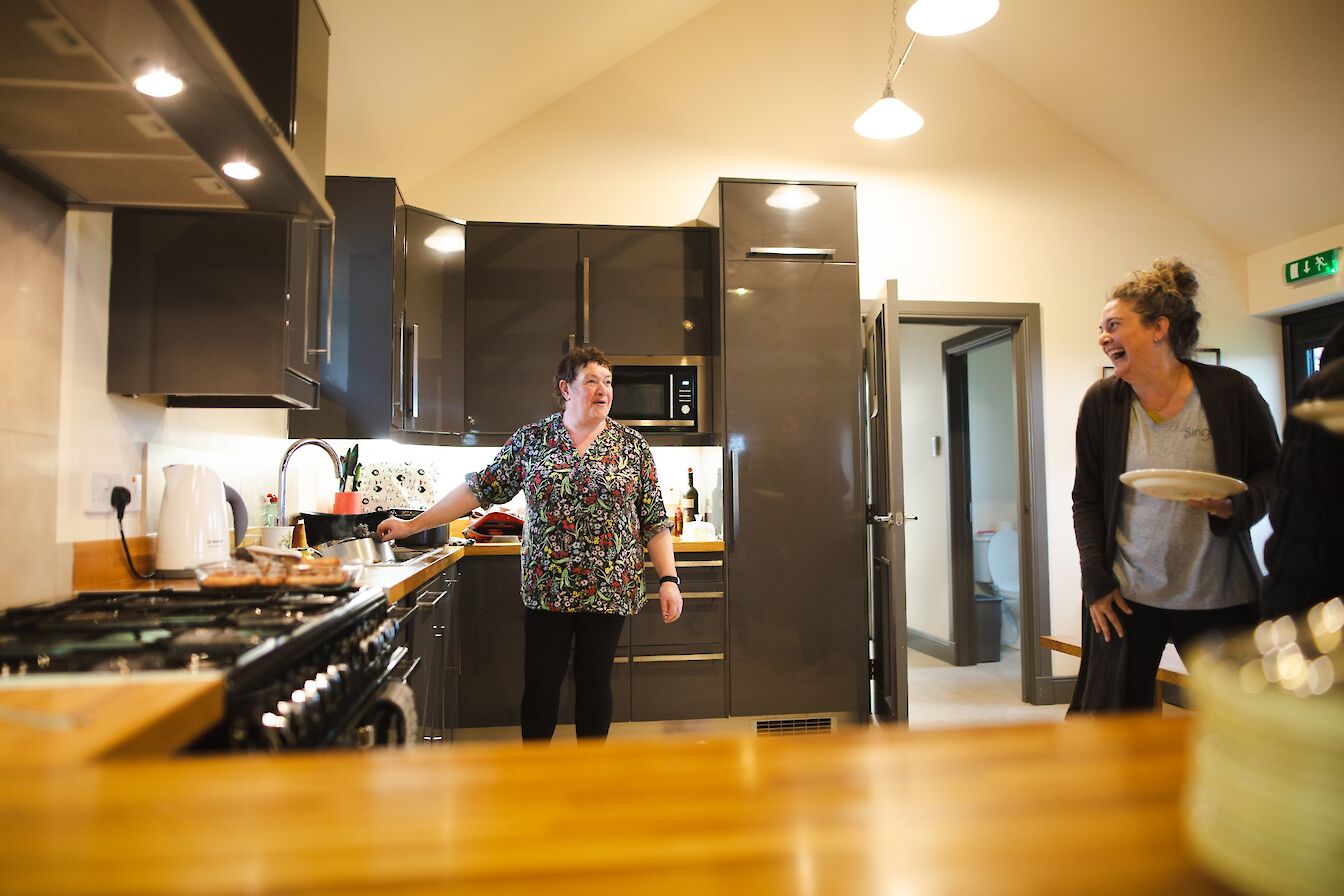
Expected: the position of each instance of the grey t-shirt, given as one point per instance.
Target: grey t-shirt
(1165, 554)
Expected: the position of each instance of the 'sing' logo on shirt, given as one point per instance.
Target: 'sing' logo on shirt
(1194, 432)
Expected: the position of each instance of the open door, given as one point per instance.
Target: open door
(886, 495)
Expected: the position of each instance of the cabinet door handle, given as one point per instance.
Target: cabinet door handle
(587, 278)
(331, 270)
(415, 370)
(791, 251)
(677, 658)
(431, 599)
(733, 455)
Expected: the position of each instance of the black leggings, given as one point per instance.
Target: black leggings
(1120, 674)
(547, 638)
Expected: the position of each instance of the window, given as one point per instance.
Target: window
(1304, 336)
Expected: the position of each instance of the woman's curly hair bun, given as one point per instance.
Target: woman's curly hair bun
(1167, 290)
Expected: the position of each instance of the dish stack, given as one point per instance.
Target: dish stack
(1265, 802)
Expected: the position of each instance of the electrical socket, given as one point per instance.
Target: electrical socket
(100, 492)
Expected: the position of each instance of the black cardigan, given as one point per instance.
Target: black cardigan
(1245, 446)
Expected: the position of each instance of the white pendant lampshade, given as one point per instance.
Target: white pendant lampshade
(940, 18)
(888, 119)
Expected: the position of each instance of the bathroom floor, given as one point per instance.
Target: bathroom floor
(983, 694)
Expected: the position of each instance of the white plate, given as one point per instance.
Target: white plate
(1327, 412)
(1182, 485)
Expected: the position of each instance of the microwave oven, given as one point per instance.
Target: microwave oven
(659, 393)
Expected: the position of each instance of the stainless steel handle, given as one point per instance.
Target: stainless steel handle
(331, 273)
(733, 456)
(587, 277)
(431, 599)
(399, 402)
(693, 595)
(685, 564)
(882, 518)
(791, 251)
(677, 658)
(572, 341)
(415, 370)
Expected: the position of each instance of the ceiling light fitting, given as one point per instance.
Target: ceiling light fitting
(889, 118)
(942, 18)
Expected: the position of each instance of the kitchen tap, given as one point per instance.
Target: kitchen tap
(284, 465)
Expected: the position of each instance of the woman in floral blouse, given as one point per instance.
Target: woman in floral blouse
(593, 505)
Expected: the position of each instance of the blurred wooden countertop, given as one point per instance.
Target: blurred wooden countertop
(1084, 806)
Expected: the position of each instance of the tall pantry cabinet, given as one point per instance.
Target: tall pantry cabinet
(790, 398)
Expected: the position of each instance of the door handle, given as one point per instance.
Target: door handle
(733, 455)
(587, 276)
(415, 370)
(890, 519)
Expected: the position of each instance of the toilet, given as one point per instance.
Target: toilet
(1001, 558)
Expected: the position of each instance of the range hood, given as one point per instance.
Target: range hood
(72, 123)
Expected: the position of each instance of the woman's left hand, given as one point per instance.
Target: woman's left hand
(1219, 507)
(669, 596)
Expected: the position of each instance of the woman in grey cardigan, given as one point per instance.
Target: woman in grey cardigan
(1155, 570)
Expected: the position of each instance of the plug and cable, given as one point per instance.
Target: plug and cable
(121, 496)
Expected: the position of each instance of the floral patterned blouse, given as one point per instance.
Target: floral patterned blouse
(588, 518)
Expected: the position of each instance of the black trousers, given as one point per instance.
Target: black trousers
(1120, 674)
(547, 639)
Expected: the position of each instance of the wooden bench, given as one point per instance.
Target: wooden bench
(1171, 670)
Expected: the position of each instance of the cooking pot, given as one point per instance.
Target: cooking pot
(362, 550)
(323, 527)
(432, 537)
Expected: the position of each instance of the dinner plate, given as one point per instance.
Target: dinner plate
(1182, 485)
(1327, 412)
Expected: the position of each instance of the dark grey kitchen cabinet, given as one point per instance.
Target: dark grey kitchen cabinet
(217, 310)
(433, 645)
(395, 369)
(679, 671)
(490, 642)
(647, 290)
(677, 683)
(522, 291)
(535, 290)
(797, 630)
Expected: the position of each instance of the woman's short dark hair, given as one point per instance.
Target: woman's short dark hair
(1168, 290)
(575, 360)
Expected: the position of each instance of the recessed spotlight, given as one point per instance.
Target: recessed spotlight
(240, 170)
(159, 83)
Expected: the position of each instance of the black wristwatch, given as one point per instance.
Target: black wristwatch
(673, 579)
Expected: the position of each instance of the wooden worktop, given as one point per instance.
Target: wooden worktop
(1085, 806)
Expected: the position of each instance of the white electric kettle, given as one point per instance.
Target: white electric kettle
(193, 520)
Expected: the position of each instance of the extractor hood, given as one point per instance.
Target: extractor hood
(72, 123)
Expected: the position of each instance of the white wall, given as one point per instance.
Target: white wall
(995, 200)
(928, 569)
(993, 436)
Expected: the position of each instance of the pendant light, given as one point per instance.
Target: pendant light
(941, 18)
(889, 118)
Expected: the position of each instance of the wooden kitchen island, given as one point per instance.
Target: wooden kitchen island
(1086, 806)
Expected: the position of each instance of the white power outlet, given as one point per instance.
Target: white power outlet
(100, 492)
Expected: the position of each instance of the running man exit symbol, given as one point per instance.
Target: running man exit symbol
(1320, 264)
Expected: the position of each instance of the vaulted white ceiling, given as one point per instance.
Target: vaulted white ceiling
(1231, 108)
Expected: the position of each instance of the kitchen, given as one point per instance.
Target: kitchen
(652, 165)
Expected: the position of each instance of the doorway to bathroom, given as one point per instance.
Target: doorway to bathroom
(943, 650)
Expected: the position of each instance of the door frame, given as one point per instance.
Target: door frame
(960, 541)
(1024, 319)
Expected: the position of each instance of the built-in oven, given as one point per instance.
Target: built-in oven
(660, 393)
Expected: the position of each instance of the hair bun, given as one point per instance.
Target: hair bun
(1175, 277)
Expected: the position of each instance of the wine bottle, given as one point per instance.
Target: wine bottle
(690, 499)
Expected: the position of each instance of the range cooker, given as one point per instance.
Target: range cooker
(299, 669)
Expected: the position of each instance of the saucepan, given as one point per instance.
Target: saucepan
(364, 549)
(432, 537)
(323, 527)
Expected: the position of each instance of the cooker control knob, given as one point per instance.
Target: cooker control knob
(685, 409)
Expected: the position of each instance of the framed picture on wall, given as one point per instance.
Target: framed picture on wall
(1207, 356)
(1107, 371)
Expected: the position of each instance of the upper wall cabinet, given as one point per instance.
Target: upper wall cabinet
(792, 222)
(535, 290)
(396, 366)
(218, 310)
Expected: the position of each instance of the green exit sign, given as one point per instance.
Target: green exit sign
(1322, 264)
